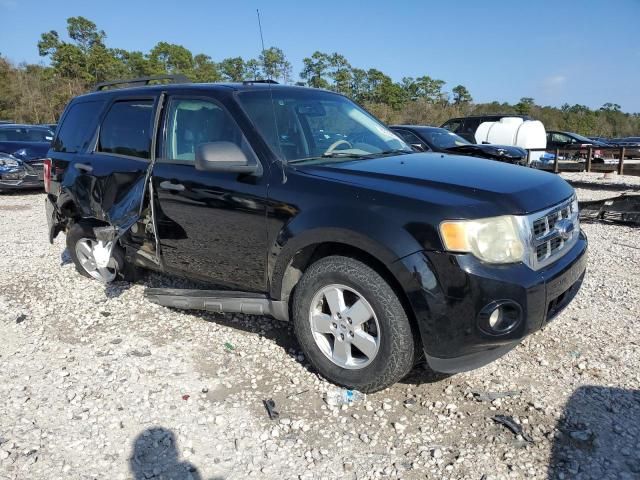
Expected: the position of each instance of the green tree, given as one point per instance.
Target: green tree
(232, 69)
(86, 58)
(316, 70)
(253, 70)
(610, 107)
(168, 58)
(523, 107)
(85, 33)
(461, 95)
(340, 73)
(205, 69)
(275, 64)
(430, 89)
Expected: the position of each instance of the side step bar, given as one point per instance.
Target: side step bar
(218, 301)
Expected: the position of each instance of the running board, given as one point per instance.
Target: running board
(218, 301)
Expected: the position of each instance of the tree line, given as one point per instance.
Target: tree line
(37, 93)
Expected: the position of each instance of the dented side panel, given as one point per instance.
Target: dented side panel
(106, 186)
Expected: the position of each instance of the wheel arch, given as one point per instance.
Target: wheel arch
(381, 260)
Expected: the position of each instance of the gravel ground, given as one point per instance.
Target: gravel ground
(96, 382)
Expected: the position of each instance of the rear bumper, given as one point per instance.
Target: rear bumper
(449, 292)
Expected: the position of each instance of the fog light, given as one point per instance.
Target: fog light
(499, 318)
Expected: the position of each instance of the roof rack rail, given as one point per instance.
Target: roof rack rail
(142, 80)
(249, 82)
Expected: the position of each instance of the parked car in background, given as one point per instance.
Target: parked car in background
(561, 140)
(466, 126)
(27, 143)
(435, 139)
(603, 140)
(377, 254)
(631, 145)
(16, 174)
(13, 132)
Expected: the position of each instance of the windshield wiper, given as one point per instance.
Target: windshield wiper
(337, 154)
(344, 155)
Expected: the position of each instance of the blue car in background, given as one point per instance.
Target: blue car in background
(24, 147)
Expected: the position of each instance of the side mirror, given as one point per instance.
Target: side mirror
(223, 157)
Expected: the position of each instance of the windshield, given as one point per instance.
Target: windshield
(443, 139)
(314, 124)
(582, 139)
(23, 134)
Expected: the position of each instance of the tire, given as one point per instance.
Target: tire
(82, 232)
(388, 325)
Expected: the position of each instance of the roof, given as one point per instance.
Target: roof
(423, 127)
(219, 87)
(492, 115)
(24, 125)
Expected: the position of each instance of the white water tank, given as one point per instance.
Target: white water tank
(514, 131)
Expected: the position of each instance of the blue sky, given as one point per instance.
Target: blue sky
(556, 51)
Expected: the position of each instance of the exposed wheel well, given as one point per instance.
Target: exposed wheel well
(312, 253)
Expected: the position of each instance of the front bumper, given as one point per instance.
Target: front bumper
(20, 177)
(28, 181)
(448, 291)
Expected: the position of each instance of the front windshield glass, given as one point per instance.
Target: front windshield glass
(582, 139)
(444, 139)
(317, 125)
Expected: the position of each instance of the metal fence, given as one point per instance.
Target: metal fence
(588, 164)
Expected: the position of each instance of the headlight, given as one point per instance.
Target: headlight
(492, 240)
(9, 162)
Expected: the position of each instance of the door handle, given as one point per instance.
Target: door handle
(167, 185)
(83, 167)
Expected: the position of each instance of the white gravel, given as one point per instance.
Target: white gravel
(96, 382)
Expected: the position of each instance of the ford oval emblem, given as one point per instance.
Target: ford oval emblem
(564, 228)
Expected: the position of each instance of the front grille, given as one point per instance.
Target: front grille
(548, 243)
(37, 166)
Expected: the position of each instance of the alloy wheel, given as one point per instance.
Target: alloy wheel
(344, 326)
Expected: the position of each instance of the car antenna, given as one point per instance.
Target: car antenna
(273, 108)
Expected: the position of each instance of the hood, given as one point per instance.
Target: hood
(490, 151)
(26, 151)
(453, 182)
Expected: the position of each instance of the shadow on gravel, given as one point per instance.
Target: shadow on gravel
(22, 192)
(598, 435)
(155, 455)
(421, 374)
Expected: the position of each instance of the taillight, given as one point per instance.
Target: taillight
(47, 174)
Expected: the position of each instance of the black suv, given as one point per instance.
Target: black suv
(303, 206)
(466, 126)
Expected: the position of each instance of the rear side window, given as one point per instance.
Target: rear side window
(78, 127)
(126, 129)
(472, 124)
(452, 125)
(409, 137)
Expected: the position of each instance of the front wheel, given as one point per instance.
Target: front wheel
(351, 325)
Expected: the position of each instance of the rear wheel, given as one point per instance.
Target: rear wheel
(81, 244)
(351, 325)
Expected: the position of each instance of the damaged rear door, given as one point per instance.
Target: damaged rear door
(112, 177)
